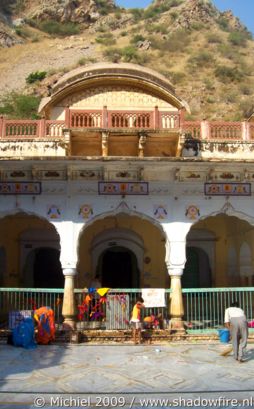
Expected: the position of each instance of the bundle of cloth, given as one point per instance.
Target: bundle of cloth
(44, 318)
(23, 334)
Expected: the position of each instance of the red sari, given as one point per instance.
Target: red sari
(44, 317)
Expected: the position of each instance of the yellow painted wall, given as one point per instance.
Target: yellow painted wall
(230, 232)
(11, 228)
(154, 245)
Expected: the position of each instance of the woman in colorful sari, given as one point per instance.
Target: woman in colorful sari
(44, 317)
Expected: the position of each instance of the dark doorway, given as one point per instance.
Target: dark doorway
(197, 271)
(119, 268)
(47, 269)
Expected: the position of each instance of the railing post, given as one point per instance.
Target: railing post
(181, 117)
(3, 131)
(245, 131)
(1, 126)
(67, 117)
(156, 118)
(42, 128)
(104, 117)
(204, 129)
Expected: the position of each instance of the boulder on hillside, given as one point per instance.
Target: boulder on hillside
(78, 11)
(7, 38)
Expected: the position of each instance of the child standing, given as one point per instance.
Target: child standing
(135, 320)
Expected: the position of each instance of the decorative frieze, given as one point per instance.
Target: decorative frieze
(20, 188)
(227, 189)
(49, 174)
(123, 188)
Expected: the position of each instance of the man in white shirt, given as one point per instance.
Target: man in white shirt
(235, 320)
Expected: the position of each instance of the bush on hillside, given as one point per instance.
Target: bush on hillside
(246, 107)
(214, 38)
(137, 14)
(36, 76)
(202, 60)
(106, 39)
(59, 29)
(104, 7)
(126, 54)
(137, 38)
(246, 89)
(19, 106)
(157, 28)
(176, 42)
(228, 74)
(239, 38)
(177, 77)
(228, 52)
(223, 23)
(23, 32)
(87, 60)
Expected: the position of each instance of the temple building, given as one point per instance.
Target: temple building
(114, 182)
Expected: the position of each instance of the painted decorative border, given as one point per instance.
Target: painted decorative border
(227, 189)
(123, 188)
(20, 188)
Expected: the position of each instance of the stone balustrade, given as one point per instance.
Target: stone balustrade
(136, 120)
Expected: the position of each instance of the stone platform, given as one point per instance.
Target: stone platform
(128, 374)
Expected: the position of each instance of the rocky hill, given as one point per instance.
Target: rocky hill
(206, 54)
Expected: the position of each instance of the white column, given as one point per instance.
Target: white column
(175, 261)
(68, 258)
(69, 306)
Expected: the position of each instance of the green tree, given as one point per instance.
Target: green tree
(19, 106)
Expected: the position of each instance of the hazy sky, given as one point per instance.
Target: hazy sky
(244, 9)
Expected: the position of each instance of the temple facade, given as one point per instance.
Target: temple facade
(113, 181)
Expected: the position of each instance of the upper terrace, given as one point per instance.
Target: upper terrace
(120, 110)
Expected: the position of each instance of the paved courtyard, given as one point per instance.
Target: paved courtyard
(86, 375)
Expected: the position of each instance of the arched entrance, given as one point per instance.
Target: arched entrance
(224, 245)
(118, 268)
(43, 269)
(32, 251)
(125, 250)
(197, 271)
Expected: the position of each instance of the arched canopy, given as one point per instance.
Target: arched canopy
(112, 74)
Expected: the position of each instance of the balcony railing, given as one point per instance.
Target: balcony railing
(126, 120)
(203, 307)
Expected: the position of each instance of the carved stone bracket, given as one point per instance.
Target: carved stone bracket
(141, 144)
(104, 143)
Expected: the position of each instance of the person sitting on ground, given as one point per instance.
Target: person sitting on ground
(153, 321)
(236, 321)
(136, 320)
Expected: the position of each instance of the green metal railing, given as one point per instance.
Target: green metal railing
(203, 308)
(29, 299)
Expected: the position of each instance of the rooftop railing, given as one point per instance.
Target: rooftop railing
(126, 120)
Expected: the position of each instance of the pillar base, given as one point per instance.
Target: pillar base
(176, 325)
(69, 324)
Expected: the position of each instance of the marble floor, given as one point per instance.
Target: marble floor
(86, 375)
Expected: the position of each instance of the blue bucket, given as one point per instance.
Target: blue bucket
(224, 335)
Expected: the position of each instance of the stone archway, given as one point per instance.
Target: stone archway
(22, 233)
(139, 239)
(224, 236)
(118, 268)
(43, 269)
